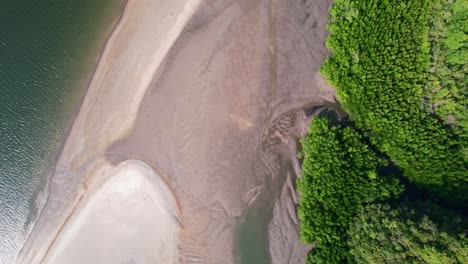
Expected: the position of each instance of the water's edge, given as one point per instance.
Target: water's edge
(61, 43)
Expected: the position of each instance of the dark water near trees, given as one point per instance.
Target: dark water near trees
(48, 49)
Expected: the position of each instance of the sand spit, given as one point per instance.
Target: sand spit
(133, 53)
(127, 215)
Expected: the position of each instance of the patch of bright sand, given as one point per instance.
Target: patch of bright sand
(130, 217)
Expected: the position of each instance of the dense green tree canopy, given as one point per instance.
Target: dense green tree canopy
(340, 174)
(446, 93)
(399, 68)
(381, 234)
(380, 65)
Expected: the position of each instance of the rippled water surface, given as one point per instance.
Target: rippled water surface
(48, 49)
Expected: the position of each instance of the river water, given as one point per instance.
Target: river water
(48, 51)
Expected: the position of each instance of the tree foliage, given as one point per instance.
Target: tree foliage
(380, 66)
(446, 93)
(381, 234)
(399, 68)
(340, 174)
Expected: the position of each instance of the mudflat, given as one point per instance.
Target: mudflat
(214, 103)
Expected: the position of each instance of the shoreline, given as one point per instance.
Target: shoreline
(43, 192)
(44, 189)
(72, 163)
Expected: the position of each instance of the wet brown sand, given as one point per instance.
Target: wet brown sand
(221, 118)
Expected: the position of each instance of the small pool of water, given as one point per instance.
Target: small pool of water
(252, 243)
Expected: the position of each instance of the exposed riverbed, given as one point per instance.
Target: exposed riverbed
(221, 120)
(219, 123)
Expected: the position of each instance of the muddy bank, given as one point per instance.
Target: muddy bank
(221, 118)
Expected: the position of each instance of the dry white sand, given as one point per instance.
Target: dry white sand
(127, 217)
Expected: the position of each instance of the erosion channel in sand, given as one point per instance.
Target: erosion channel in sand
(213, 97)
